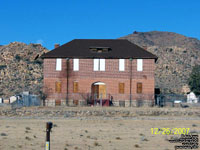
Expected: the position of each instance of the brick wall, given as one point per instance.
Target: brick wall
(111, 77)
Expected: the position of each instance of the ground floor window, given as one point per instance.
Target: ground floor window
(75, 87)
(58, 87)
(139, 87)
(121, 88)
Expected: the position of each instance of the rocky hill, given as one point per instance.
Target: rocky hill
(177, 54)
(20, 68)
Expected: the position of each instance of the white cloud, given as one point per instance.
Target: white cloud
(40, 41)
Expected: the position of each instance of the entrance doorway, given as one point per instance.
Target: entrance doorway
(99, 90)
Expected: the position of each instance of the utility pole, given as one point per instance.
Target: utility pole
(131, 81)
(67, 65)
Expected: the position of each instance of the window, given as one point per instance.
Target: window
(58, 87)
(121, 88)
(139, 65)
(76, 64)
(58, 64)
(139, 87)
(121, 65)
(100, 49)
(99, 64)
(102, 64)
(96, 64)
(75, 87)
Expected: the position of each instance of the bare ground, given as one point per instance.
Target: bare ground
(119, 131)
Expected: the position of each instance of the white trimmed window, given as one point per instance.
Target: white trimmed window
(121, 64)
(102, 64)
(96, 64)
(76, 64)
(139, 64)
(58, 64)
(99, 65)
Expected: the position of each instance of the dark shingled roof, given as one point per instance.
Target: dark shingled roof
(81, 48)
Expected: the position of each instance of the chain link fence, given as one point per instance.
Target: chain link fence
(25, 100)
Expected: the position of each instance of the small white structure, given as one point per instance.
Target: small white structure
(1, 100)
(191, 98)
(13, 99)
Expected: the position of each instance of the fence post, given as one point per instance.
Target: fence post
(101, 100)
(49, 125)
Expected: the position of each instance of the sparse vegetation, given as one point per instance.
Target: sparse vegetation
(28, 138)
(2, 67)
(96, 143)
(136, 145)
(17, 57)
(3, 134)
(118, 138)
(28, 128)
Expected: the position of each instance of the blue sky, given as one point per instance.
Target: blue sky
(59, 21)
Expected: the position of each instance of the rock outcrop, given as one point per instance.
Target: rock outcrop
(20, 68)
(177, 54)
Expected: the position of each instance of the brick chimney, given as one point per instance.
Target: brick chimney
(144, 47)
(56, 45)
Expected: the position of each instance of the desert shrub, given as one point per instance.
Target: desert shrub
(17, 57)
(2, 67)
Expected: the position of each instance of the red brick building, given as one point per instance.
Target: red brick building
(82, 71)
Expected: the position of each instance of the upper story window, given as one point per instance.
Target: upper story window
(99, 64)
(139, 64)
(121, 65)
(58, 64)
(76, 64)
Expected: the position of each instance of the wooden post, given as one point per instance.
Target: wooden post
(49, 125)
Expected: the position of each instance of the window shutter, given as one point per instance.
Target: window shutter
(58, 87)
(139, 65)
(58, 64)
(121, 88)
(75, 90)
(139, 87)
(76, 64)
(121, 64)
(102, 64)
(96, 64)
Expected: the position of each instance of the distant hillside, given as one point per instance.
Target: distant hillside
(176, 56)
(20, 68)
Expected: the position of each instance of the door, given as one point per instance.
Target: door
(102, 91)
(99, 90)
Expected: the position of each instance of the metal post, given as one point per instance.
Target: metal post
(101, 99)
(49, 125)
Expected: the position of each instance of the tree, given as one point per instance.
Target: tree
(194, 80)
(44, 93)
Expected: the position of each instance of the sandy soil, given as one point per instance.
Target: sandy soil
(98, 133)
